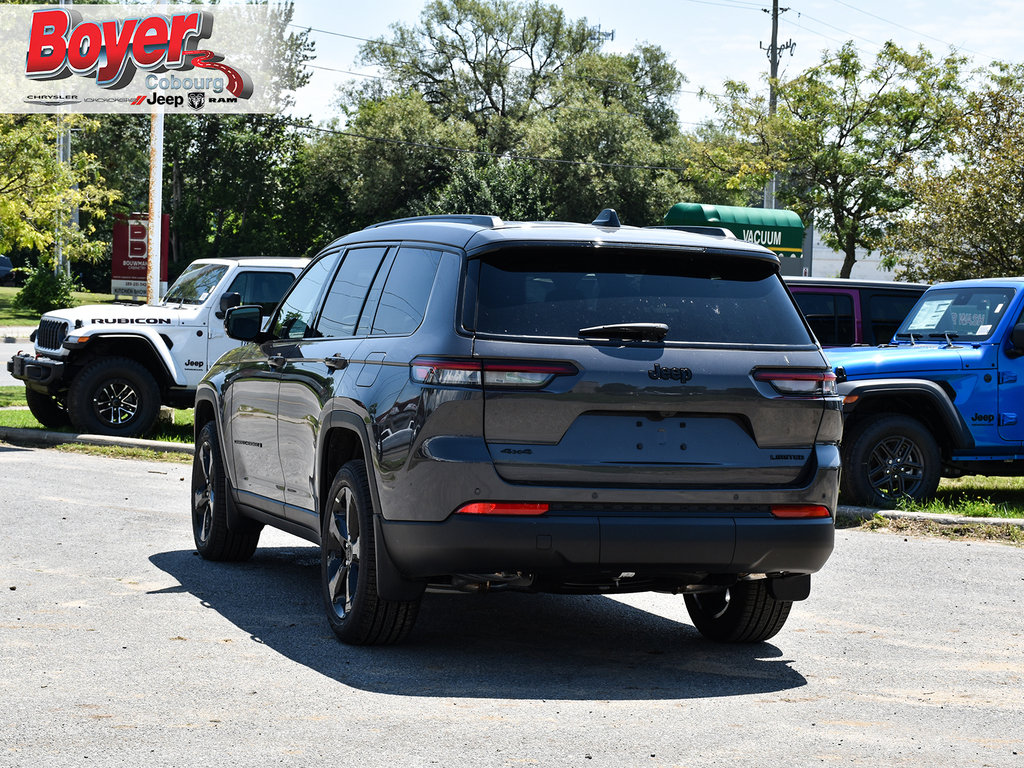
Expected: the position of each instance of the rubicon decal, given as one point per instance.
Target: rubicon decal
(61, 44)
(191, 57)
(132, 321)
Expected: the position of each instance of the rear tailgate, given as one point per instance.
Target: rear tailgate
(698, 408)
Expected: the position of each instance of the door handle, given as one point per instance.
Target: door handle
(276, 361)
(336, 362)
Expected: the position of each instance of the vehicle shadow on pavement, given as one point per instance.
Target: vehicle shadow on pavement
(497, 646)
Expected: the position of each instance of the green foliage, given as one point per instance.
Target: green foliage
(44, 291)
(844, 136)
(490, 63)
(515, 191)
(35, 186)
(967, 218)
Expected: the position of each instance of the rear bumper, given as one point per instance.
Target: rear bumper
(39, 371)
(566, 544)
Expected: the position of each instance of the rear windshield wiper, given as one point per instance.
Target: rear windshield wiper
(638, 331)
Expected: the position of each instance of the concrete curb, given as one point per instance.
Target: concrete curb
(15, 334)
(44, 437)
(856, 514)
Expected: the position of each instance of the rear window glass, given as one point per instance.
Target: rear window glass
(554, 292)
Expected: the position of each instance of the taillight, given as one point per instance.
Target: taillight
(793, 511)
(800, 383)
(503, 373)
(502, 508)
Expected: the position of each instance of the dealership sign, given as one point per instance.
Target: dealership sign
(122, 58)
(129, 263)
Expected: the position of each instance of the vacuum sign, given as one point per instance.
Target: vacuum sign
(778, 230)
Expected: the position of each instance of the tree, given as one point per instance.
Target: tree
(37, 191)
(487, 61)
(512, 189)
(967, 219)
(844, 136)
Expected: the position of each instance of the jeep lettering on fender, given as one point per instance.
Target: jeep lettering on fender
(107, 369)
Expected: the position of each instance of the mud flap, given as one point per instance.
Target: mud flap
(790, 588)
(391, 585)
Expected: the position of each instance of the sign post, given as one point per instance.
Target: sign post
(156, 188)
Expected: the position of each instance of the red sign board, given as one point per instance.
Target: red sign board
(129, 264)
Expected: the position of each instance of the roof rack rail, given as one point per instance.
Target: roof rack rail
(480, 220)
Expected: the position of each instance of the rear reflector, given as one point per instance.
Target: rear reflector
(502, 508)
(800, 510)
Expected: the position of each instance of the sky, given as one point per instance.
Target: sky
(710, 40)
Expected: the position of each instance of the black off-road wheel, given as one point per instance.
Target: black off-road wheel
(114, 396)
(214, 540)
(47, 409)
(742, 613)
(348, 567)
(888, 457)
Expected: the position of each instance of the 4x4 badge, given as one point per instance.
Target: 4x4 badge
(677, 374)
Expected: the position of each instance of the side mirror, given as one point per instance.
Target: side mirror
(244, 323)
(227, 301)
(1017, 338)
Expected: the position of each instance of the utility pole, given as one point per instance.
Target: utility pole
(774, 50)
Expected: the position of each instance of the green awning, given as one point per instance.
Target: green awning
(780, 231)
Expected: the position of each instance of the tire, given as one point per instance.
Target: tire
(348, 567)
(214, 540)
(47, 409)
(114, 396)
(743, 613)
(887, 457)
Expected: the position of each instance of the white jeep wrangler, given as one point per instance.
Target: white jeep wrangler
(107, 368)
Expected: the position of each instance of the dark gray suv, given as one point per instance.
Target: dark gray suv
(462, 402)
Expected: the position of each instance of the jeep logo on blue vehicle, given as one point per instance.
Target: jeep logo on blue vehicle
(983, 418)
(676, 374)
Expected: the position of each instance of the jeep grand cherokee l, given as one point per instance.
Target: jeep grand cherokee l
(465, 402)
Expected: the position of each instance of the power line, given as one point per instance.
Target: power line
(511, 66)
(903, 27)
(838, 29)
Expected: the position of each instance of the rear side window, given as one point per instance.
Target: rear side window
(554, 292)
(405, 295)
(885, 312)
(830, 316)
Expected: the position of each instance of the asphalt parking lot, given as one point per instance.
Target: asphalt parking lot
(122, 647)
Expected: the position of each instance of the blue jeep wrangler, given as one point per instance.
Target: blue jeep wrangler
(944, 398)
